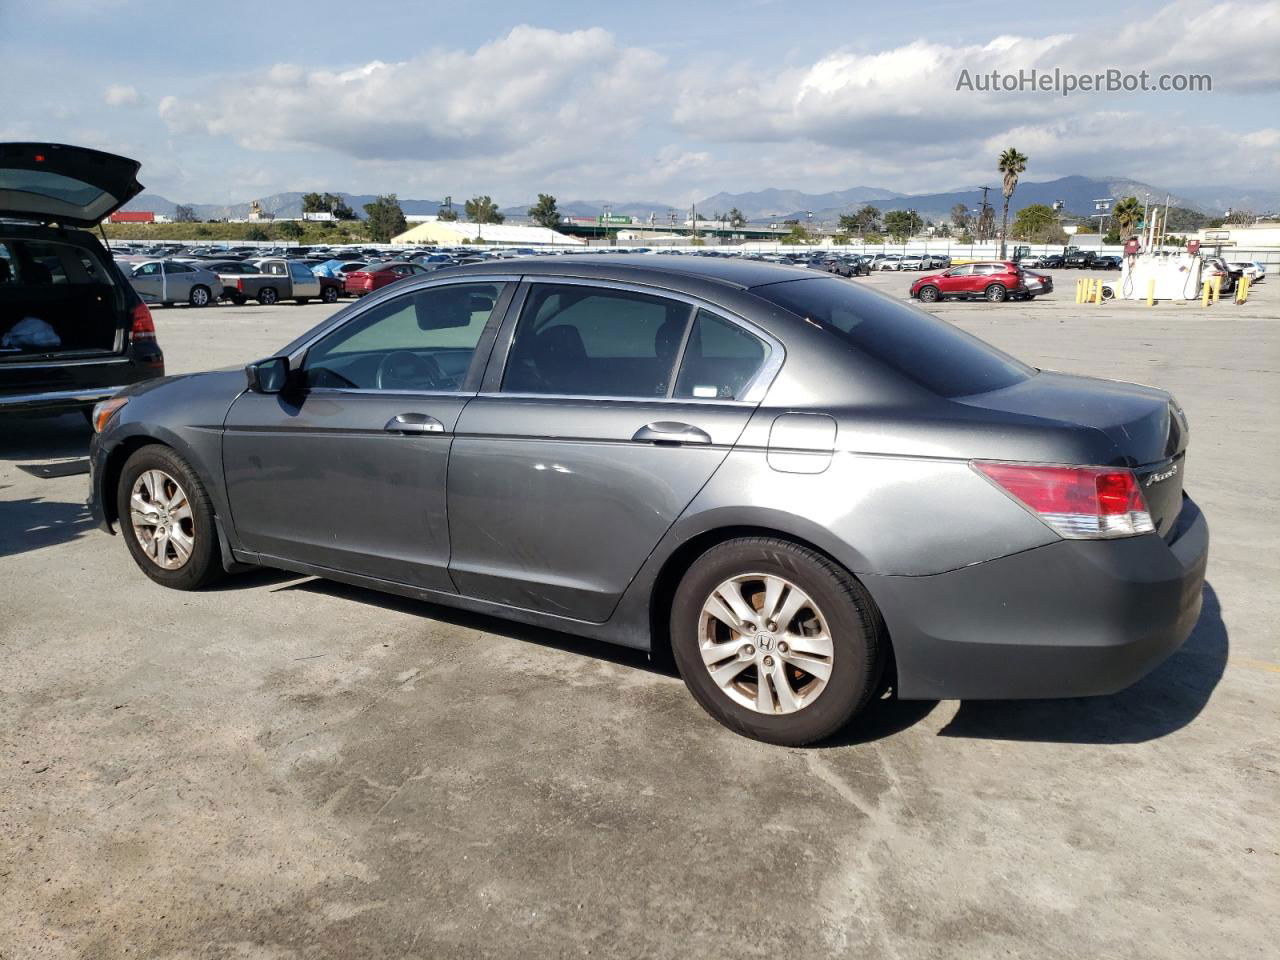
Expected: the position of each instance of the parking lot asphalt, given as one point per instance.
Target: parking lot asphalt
(285, 767)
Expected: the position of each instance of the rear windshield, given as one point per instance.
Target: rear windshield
(929, 351)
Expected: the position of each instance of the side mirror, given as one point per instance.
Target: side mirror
(268, 376)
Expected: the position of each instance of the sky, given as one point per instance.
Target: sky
(657, 101)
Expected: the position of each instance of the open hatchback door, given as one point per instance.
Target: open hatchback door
(56, 183)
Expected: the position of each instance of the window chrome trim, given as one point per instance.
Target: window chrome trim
(754, 391)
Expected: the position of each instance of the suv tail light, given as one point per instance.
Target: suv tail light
(1079, 503)
(144, 328)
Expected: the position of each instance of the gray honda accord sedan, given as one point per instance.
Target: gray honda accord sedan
(807, 492)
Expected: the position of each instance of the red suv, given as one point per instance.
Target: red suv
(995, 282)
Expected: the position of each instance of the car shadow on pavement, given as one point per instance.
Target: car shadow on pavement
(580, 646)
(35, 523)
(44, 438)
(1164, 701)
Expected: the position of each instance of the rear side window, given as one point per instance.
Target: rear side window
(922, 348)
(574, 340)
(720, 359)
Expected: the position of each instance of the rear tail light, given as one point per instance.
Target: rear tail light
(240, 284)
(1079, 503)
(144, 327)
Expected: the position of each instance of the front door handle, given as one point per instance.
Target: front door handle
(671, 431)
(414, 423)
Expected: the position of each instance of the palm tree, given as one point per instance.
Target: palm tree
(1011, 164)
(1127, 213)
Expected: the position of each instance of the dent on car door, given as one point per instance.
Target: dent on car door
(602, 418)
(346, 468)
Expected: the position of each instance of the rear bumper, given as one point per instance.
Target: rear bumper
(75, 385)
(1071, 619)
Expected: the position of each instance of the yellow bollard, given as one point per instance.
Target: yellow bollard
(1242, 290)
(1204, 295)
(1217, 286)
(1079, 291)
(1151, 292)
(1097, 291)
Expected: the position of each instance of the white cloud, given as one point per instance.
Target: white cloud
(120, 95)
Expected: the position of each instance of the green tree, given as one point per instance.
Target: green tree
(873, 237)
(966, 238)
(862, 220)
(1112, 237)
(289, 230)
(901, 224)
(385, 218)
(313, 203)
(798, 234)
(483, 210)
(1010, 165)
(256, 234)
(1127, 213)
(447, 213)
(1034, 222)
(338, 207)
(544, 212)
(736, 217)
(960, 216)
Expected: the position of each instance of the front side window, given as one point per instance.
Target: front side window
(419, 341)
(719, 361)
(574, 340)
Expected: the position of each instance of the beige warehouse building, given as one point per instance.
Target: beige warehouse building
(449, 233)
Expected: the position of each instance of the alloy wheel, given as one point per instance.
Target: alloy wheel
(162, 519)
(765, 643)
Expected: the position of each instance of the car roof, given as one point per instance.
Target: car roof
(683, 273)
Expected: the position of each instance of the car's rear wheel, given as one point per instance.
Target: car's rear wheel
(996, 293)
(329, 295)
(928, 294)
(200, 296)
(775, 640)
(167, 519)
(268, 296)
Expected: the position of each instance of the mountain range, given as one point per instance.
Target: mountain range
(1076, 193)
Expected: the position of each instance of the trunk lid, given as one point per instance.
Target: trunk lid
(57, 183)
(1143, 427)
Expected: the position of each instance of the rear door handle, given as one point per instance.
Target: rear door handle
(671, 431)
(414, 423)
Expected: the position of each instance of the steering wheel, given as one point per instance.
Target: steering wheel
(402, 370)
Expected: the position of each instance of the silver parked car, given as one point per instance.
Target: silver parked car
(804, 490)
(171, 281)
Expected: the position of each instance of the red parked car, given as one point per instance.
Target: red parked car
(994, 282)
(360, 282)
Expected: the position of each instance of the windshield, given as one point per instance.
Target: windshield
(926, 350)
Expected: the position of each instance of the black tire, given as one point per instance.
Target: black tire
(302, 301)
(859, 639)
(204, 565)
(167, 303)
(929, 294)
(996, 293)
(200, 296)
(268, 296)
(329, 295)
(238, 300)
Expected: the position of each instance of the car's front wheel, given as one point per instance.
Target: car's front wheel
(775, 640)
(928, 294)
(996, 293)
(167, 520)
(200, 296)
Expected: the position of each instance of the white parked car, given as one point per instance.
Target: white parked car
(1255, 271)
